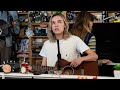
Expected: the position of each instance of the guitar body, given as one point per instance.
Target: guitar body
(85, 68)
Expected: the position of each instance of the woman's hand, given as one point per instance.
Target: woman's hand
(76, 62)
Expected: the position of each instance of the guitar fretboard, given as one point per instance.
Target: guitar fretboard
(42, 68)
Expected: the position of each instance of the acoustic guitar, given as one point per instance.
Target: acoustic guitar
(85, 68)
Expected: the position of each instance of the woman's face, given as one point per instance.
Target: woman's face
(58, 25)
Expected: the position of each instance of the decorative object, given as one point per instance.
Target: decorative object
(117, 71)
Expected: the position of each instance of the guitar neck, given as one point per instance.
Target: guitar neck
(42, 68)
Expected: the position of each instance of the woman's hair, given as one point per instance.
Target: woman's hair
(51, 35)
(82, 24)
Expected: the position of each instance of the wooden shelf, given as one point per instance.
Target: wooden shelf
(22, 37)
(23, 57)
(23, 24)
(22, 13)
(88, 11)
(40, 23)
(45, 37)
(37, 57)
(23, 52)
(35, 47)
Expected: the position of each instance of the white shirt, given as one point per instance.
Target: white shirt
(70, 49)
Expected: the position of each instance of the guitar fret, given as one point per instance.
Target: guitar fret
(44, 68)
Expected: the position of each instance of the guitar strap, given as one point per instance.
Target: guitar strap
(58, 56)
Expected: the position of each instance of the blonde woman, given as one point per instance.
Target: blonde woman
(70, 46)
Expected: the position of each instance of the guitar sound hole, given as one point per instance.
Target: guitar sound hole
(67, 70)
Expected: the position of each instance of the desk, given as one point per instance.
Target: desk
(49, 76)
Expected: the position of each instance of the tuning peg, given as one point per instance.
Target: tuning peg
(7, 61)
(14, 62)
(1, 65)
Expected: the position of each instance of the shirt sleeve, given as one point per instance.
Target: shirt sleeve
(43, 51)
(81, 46)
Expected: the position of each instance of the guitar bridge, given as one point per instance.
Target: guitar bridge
(82, 71)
